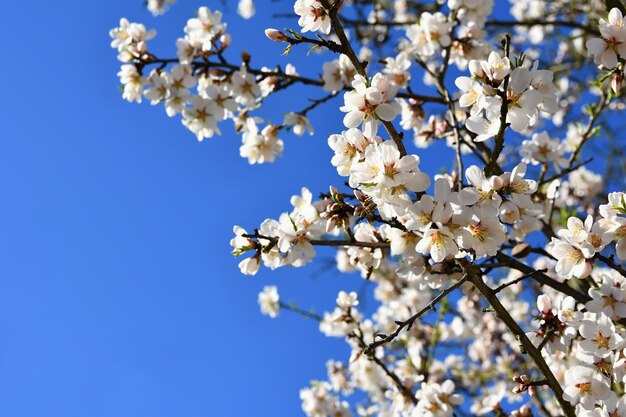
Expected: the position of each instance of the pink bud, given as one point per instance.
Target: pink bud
(616, 82)
(544, 303)
(276, 35)
(225, 40)
(330, 225)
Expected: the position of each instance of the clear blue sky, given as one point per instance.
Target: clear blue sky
(118, 293)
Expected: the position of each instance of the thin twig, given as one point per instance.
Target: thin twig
(543, 278)
(299, 311)
(610, 262)
(358, 65)
(409, 322)
(515, 281)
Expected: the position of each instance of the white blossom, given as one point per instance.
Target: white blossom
(269, 301)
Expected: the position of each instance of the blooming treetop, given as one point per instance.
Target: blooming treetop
(530, 240)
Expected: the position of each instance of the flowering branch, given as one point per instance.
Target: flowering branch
(543, 278)
(358, 65)
(527, 345)
(369, 350)
(504, 109)
(519, 279)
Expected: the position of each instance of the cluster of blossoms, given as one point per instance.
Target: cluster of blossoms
(447, 225)
(577, 245)
(369, 103)
(542, 149)
(462, 35)
(611, 46)
(524, 211)
(205, 93)
(286, 241)
(586, 344)
(525, 91)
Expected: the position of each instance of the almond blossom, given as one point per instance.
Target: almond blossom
(269, 301)
(605, 50)
(313, 16)
(584, 386)
(369, 103)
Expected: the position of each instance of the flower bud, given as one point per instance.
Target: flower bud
(360, 195)
(616, 82)
(544, 303)
(250, 266)
(225, 40)
(335, 194)
(245, 57)
(276, 35)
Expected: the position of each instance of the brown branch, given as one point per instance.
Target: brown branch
(409, 322)
(515, 281)
(273, 73)
(542, 278)
(299, 311)
(358, 65)
(495, 23)
(527, 345)
(299, 39)
(542, 22)
(408, 393)
(316, 103)
(589, 129)
(610, 262)
(564, 172)
(319, 242)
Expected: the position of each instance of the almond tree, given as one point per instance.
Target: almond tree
(500, 282)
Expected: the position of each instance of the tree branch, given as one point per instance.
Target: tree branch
(360, 69)
(543, 278)
(409, 322)
(527, 345)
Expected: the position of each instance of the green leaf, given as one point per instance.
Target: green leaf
(312, 49)
(241, 250)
